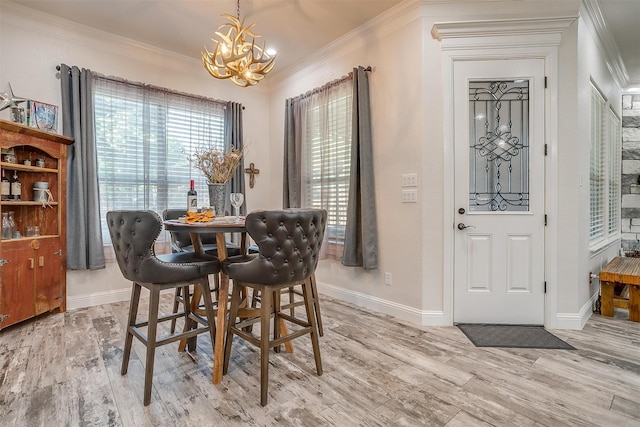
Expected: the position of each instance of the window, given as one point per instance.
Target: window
(597, 177)
(144, 137)
(604, 171)
(327, 157)
(614, 172)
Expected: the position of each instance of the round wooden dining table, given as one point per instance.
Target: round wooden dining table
(222, 227)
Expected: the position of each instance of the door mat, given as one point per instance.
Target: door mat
(513, 336)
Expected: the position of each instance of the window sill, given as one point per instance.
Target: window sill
(604, 245)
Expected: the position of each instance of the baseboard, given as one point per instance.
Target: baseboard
(98, 298)
(399, 311)
(576, 321)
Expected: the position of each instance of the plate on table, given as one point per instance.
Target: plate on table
(198, 220)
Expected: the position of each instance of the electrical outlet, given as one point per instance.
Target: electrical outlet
(410, 180)
(409, 196)
(387, 279)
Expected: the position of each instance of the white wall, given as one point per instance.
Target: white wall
(32, 44)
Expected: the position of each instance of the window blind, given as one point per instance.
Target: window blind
(614, 143)
(597, 168)
(327, 156)
(144, 138)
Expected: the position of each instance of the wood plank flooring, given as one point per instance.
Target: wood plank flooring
(64, 370)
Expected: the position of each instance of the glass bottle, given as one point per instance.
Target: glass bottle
(6, 226)
(6, 187)
(12, 224)
(16, 187)
(192, 199)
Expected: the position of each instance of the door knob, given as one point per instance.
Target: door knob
(461, 226)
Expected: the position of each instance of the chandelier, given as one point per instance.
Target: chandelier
(236, 58)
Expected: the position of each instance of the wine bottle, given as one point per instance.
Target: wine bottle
(16, 187)
(192, 199)
(6, 187)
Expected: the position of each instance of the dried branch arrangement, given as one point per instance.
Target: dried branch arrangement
(217, 167)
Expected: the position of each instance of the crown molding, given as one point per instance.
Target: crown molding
(467, 34)
(593, 18)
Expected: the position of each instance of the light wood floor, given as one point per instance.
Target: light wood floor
(64, 370)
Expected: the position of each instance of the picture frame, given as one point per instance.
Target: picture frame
(43, 116)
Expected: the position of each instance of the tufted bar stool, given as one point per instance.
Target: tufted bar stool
(181, 242)
(133, 234)
(288, 247)
(293, 292)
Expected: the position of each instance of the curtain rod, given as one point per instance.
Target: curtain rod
(121, 80)
(328, 85)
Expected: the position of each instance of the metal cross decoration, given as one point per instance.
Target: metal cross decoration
(252, 171)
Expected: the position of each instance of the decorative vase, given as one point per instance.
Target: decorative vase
(218, 196)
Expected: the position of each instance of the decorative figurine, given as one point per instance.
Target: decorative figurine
(8, 99)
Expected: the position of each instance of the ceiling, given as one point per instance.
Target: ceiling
(292, 27)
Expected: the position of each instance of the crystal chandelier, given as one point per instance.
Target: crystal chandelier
(236, 58)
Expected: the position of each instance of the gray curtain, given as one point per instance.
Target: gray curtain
(361, 234)
(84, 236)
(291, 197)
(233, 138)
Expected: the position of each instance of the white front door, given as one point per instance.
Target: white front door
(499, 191)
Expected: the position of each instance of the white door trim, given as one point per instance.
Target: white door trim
(479, 40)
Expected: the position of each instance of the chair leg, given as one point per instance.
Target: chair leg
(308, 304)
(176, 303)
(189, 323)
(255, 298)
(208, 308)
(278, 322)
(133, 313)
(316, 303)
(288, 345)
(292, 310)
(216, 286)
(233, 314)
(265, 310)
(154, 302)
(207, 289)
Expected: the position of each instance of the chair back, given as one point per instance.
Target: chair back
(133, 234)
(288, 243)
(181, 239)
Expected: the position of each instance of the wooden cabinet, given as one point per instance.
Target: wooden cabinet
(33, 268)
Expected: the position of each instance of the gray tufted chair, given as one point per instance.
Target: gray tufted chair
(288, 247)
(181, 242)
(133, 234)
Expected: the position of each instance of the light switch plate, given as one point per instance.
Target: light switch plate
(409, 179)
(409, 196)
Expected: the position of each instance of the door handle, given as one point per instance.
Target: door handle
(461, 226)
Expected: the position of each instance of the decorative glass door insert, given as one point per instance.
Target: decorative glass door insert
(499, 145)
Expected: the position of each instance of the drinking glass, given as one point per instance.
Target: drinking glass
(236, 201)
